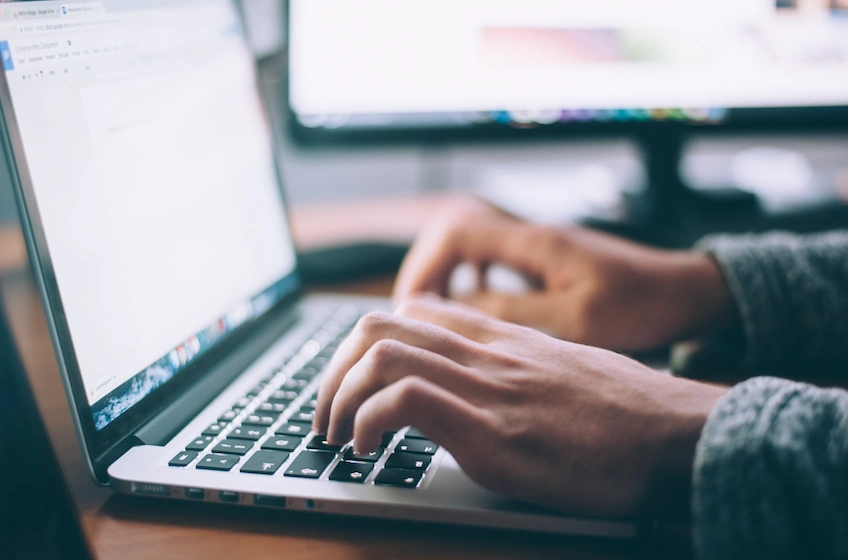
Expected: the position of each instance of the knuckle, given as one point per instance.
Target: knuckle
(384, 353)
(372, 324)
(410, 390)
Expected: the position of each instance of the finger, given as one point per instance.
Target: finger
(388, 362)
(531, 310)
(443, 416)
(381, 326)
(429, 264)
(462, 319)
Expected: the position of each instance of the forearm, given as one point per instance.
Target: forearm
(771, 474)
(791, 293)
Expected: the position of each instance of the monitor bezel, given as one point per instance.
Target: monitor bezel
(790, 120)
(101, 447)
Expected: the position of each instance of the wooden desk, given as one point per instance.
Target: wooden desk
(124, 527)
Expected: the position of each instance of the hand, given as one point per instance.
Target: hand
(595, 289)
(565, 426)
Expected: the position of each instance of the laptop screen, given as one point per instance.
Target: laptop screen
(151, 162)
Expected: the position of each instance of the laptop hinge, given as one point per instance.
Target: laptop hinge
(168, 422)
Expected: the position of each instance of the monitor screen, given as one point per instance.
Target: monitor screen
(151, 162)
(442, 63)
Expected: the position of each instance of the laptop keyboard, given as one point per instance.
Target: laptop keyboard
(269, 430)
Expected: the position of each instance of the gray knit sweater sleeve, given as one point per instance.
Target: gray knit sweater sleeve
(771, 474)
(771, 468)
(792, 296)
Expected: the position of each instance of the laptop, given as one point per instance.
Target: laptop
(147, 182)
(38, 516)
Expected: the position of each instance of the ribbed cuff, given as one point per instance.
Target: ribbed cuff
(739, 506)
(756, 288)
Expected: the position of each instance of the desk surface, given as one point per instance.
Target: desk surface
(130, 527)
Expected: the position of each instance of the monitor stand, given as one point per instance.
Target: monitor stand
(670, 213)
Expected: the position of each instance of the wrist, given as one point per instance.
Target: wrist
(704, 301)
(669, 487)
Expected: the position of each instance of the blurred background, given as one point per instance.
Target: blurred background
(398, 121)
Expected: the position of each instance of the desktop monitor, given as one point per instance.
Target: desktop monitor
(658, 70)
(416, 68)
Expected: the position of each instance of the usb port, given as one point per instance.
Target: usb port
(272, 501)
(231, 497)
(195, 493)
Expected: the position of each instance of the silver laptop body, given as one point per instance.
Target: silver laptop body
(149, 195)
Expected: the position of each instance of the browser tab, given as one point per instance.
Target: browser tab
(82, 9)
(40, 12)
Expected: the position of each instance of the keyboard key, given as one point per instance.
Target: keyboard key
(372, 457)
(318, 362)
(265, 462)
(233, 447)
(295, 385)
(256, 390)
(413, 433)
(327, 353)
(281, 443)
(243, 402)
(199, 444)
(215, 429)
(305, 374)
(412, 461)
(310, 464)
(228, 416)
(182, 459)
(401, 478)
(218, 462)
(320, 442)
(303, 416)
(351, 472)
(310, 405)
(417, 446)
(252, 433)
(271, 408)
(294, 429)
(387, 439)
(263, 420)
(282, 397)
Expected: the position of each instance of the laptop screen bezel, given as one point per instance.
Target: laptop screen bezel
(100, 446)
